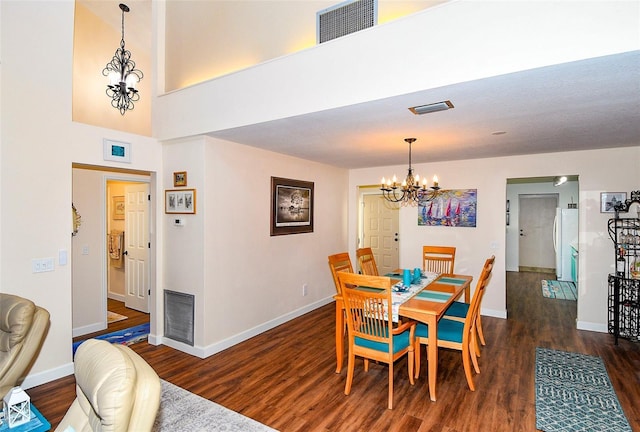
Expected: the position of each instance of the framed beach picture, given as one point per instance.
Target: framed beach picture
(118, 207)
(180, 201)
(608, 200)
(291, 206)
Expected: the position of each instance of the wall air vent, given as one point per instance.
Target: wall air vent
(179, 316)
(344, 18)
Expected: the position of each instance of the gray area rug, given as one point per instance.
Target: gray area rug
(181, 410)
(574, 394)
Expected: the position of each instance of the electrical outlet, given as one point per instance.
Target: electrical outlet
(42, 265)
(304, 289)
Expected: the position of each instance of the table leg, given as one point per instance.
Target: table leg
(339, 335)
(432, 355)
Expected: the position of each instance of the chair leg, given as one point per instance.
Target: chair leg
(472, 353)
(350, 365)
(416, 355)
(466, 361)
(479, 329)
(476, 345)
(391, 384)
(410, 360)
(366, 365)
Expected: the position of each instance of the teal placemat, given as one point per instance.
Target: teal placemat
(435, 296)
(450, 281)
(393, 275)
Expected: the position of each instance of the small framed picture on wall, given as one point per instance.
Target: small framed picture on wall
(180, 201)
(180, 179)
(608, 201)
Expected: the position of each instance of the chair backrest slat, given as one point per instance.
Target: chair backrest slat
(365, 308)
(340, 262)
(367, 261)
(474, 308)
(438, 259)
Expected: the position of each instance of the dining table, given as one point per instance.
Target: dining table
(425, 301)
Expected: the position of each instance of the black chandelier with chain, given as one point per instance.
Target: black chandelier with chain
(123, 75)
(410, 191)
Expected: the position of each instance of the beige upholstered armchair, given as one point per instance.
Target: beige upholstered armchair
(117, 391)
(23, 326)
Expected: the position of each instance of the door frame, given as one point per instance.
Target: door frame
(127, 178)
(362, 191)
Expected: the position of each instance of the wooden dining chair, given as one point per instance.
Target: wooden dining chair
(367, 261)
(458, 335)
(458, 311)
(340, 262)
(438, 259)
(371, 336)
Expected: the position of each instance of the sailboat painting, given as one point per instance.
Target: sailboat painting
(455, 207)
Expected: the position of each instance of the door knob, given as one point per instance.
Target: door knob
(125, 253)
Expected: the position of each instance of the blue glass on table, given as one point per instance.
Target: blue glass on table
(406, 277)
(416, 275)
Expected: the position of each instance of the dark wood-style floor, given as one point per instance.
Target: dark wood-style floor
(285, 378)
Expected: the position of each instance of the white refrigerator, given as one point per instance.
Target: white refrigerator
(565, 234)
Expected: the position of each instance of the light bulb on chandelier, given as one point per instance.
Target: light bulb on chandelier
(410, 191)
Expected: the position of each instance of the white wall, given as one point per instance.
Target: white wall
(277, 28)
(89, 310)
(567, 193)
(244, 280)
(598, 171)
(39, 142)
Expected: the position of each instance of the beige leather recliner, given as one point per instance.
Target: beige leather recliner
(23, 327)
(116, 390)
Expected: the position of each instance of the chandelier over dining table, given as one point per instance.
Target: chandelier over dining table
(411, 191)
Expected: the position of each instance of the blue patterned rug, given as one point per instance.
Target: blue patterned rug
(561, 290)
(574, 393)
(127, 336)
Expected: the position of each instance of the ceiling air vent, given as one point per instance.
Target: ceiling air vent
(344, 18)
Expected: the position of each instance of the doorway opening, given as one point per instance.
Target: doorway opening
(533, 245)
(107, 272)
(379, 229)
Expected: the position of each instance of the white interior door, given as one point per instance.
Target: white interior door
(137, 247)
(380, 232)
(536, 215)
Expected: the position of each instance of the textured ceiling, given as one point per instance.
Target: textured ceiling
(587, 104)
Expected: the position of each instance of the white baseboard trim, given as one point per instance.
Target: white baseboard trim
(116, 296)
(248, 334)
(494, 313)
(591, 326)
(204, 352)
(91, 328)
(33, 380)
